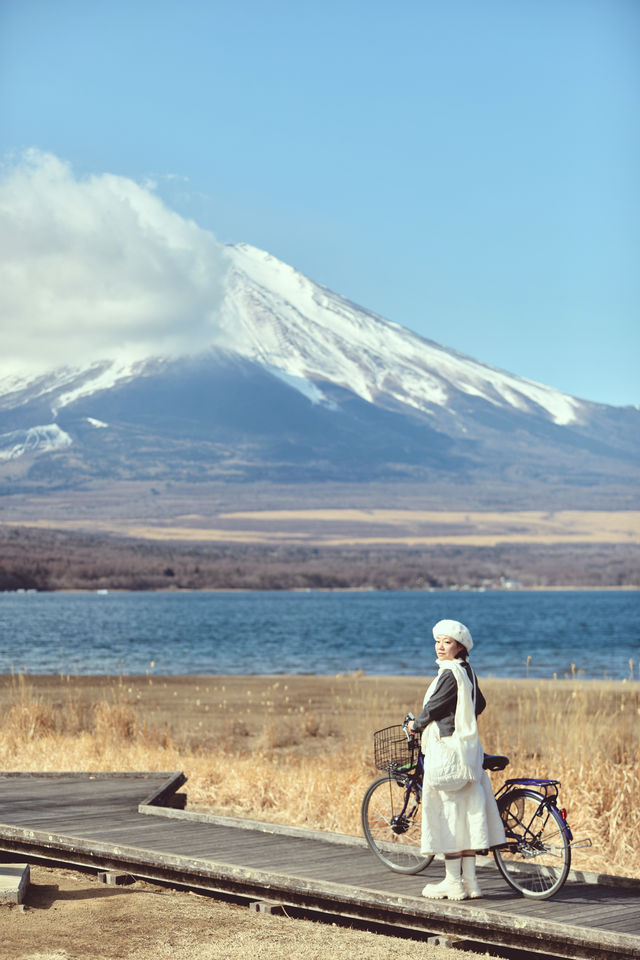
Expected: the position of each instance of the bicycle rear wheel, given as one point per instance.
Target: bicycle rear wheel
(537, 856)
(392, 824)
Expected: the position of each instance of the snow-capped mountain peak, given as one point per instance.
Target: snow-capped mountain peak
(291, 383)
(288, 322)
(312, 337)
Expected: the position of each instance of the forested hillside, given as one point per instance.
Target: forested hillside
(39, 559)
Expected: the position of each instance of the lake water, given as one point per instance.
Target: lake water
(597, 632)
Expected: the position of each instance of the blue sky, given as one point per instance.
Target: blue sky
(467, 168)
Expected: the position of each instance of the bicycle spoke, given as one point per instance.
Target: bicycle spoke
(537, 857)
(392, 825)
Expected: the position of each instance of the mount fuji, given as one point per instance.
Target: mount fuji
(300, 386)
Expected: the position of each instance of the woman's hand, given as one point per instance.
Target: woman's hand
(407, 725)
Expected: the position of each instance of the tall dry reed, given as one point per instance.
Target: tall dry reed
(274, 754)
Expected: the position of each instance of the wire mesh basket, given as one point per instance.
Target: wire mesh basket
(392, 751)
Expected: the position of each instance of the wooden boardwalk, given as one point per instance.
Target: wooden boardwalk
(118, 822)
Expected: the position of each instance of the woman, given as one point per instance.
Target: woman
(457, 823)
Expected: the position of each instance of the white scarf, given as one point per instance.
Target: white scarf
(466, 725)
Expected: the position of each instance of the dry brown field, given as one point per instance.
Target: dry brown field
(292, 750)
(297, 749)
(339, 527)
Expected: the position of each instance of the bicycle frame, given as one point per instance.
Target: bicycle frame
(412, 779)
(549, 789)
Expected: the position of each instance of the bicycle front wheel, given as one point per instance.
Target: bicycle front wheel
(392, 824)
(537, 855)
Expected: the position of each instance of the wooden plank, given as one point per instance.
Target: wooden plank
(302, 867)
(435, 914)
(55, 814)
(596, 913)
(611, 920)
(81, 775)
(260, 826)
(251, 844)
(288, 860)
(85, 788)
(626, 925)
(77, 786)
(582, 914)
(161, 794)
(578, 877)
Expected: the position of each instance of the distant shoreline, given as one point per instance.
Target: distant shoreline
(242, 682)
(625, 588)
(57, 560)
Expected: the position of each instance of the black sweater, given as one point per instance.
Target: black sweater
(441, 705)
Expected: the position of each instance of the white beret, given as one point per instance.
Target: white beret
(455, 630)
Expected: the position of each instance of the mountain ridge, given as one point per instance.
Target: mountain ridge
(301, 386)
(407, 344)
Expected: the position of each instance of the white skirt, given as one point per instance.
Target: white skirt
(465, 819)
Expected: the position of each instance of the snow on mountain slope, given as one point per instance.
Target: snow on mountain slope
(62, 386)
(40, 439)
(288, 322)
(307, 387)
(309, 336)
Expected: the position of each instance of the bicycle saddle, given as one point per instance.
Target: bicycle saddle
(494, 762)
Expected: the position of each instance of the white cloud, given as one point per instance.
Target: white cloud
(99, 267)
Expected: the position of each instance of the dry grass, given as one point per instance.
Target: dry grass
(297, 749)
(340, 527)
(410, 528)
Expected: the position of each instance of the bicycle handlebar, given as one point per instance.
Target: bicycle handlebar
(405, 723)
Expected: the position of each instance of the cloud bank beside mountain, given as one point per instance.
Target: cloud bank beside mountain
(99, 267)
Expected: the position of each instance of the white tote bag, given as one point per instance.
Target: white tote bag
(452, 762)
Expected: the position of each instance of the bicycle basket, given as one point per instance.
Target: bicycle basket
(392, 751)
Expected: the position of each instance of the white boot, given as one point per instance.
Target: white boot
(451, 887)
(469, 879)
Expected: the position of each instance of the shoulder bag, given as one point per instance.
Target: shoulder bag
(452, 762)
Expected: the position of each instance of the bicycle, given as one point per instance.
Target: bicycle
(536, 858)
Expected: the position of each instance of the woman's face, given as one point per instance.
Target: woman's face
(447, 648)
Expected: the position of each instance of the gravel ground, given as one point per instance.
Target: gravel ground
(70, 915)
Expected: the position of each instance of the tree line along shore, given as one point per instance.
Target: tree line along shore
(44, 559)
